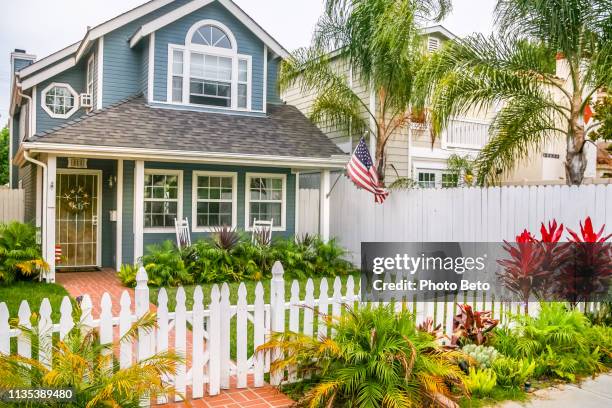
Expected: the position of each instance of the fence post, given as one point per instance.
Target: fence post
(145, 337)
(277, 296)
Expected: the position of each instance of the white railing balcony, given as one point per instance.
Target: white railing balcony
(466, 134)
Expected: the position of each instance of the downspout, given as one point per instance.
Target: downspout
(33, 110)
(43, 226)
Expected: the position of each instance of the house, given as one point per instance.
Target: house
(165, 112)
(410, 152)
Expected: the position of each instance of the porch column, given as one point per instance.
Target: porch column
(324, 205)
(138, 209)
(49, 234)
(119, 222)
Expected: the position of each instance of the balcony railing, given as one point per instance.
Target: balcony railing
(466, 134)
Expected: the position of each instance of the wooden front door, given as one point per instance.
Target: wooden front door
(77, 216)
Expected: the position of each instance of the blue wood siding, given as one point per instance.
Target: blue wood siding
(248, 44)
(188, 169)
(273, 92)
(144, 69)
(109, 202)
(74, 76)
(127, 241)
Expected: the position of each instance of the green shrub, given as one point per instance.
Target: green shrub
(480, 382)
(164, 265)
(127, 275)
(483, 355)
(513, 373)
(557, 340)
(20, 255)
(377, 358)
(601, 337)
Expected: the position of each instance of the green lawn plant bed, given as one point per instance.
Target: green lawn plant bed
(34, 293)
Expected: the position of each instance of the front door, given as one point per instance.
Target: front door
(77, 215)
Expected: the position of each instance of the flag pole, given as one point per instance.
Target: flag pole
(334, 185)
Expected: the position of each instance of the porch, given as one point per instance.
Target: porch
(98, 212)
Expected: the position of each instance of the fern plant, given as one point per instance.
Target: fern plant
(513, 373)
(80, 362)
(20, 255)
(165, 266)
(480, 382)
(377, 358)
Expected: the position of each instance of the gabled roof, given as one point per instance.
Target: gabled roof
(72, 54)
(439, 29)
(190, 7)
(132, 125)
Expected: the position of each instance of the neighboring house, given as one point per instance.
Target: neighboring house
(410, 153)
(167, 111)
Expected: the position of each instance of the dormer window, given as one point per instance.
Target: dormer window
(208, 71)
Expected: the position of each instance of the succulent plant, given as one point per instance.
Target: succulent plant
(484, 356)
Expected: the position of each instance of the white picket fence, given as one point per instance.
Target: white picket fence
(461, 214)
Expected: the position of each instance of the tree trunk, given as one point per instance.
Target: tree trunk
(575, 165)
(575, 160)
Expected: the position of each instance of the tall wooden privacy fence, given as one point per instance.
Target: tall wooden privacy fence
(11, 205)
(219, 339)
(461, 214)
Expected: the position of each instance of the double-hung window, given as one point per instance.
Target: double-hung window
(215, 200)
(208, 70)
(266, 196)
(162, 198)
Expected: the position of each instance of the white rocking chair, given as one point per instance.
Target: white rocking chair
(262, 231)
(183, 237)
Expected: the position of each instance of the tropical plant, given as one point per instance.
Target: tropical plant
(226, 238)
(484, 356)
(377, 358)
(515, 71)
(513, 373)
(20, 255)
(557, 339)
(461, 167)
(603, 117)
(127, 275)
(164, 265)
(471, 326)
(81, 363)
(379, 43)
(4, 156)
(480, 382)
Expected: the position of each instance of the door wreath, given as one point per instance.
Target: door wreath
(77, 200)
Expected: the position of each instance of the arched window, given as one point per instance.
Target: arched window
(211, 36)
(208, 70)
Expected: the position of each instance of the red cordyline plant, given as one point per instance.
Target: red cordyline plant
(590, 272)
(471, 325)
(546, 268)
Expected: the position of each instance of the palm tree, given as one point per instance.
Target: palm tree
(81, 363)
(515, 69)
(379, 41)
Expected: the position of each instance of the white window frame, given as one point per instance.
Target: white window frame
(232, 53)
(179, 208)
(247, 199)
(43, 100)
(195, 200)
(89, 81)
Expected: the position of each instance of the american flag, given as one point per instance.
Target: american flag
(362, 171)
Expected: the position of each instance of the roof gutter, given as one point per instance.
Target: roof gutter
(69, 150)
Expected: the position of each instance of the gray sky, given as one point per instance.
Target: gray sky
(42, 27)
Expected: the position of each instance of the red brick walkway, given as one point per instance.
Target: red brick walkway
(96, 283)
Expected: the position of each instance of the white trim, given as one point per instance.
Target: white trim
(194, 198)
(215, 23)
(179, 199)
(334, 162)
(151, 69)
(99, 212)
(265, 79)
(296, 227)
(324, 205)
(190, 7)
(117, 22)
(10, 163)
(39, 186)
(43, 98)
(440, 30)
(48, 73)
(100, 90)
(49, 234)
(119, 222)
(48, 60)
(247, 199)
(166, 19)
(138, 214)
(34, 110)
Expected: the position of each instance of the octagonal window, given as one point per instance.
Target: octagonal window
(59, 100)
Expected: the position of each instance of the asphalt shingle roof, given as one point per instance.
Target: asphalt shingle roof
(132, 123)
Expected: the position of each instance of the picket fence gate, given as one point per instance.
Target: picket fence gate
(209, 361)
